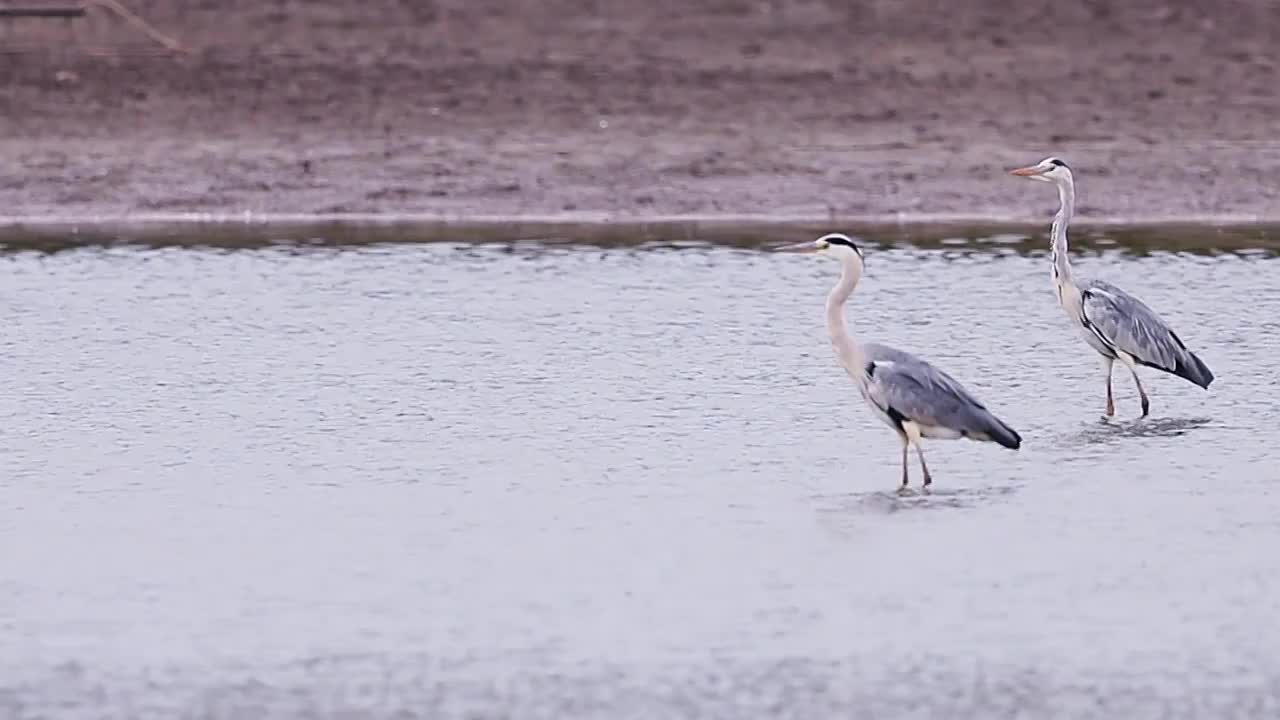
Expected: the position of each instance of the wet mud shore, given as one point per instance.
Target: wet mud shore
(707, 107)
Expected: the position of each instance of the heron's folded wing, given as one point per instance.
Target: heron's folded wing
(920, 392)
(1128, 325)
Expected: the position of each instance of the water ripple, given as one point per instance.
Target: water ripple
(454, 480)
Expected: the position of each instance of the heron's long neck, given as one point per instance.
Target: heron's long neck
(1058, 234)
(847, 349)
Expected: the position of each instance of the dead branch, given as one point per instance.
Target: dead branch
(128, 16)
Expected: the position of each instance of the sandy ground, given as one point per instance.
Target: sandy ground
(462, 107)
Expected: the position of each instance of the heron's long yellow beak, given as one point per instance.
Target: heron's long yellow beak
(804, 247)
(1026, 171)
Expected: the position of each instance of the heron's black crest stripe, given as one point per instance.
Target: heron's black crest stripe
(842, 240)
(1057, 162)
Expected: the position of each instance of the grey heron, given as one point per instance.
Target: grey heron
(1116, 324)
(911, 396)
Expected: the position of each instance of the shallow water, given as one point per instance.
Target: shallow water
(564, 481)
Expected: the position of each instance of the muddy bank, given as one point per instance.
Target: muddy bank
(459, 107)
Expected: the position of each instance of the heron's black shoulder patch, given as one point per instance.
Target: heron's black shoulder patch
(871, 369)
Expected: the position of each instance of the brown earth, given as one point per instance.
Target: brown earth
(635, 108)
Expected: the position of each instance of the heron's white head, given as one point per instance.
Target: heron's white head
(1050, 169)
(841, 247)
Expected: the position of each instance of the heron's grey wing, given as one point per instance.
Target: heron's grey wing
(876, 352)
(1125, 323)
(909, 388)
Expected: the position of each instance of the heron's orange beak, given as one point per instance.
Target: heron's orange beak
(1025, 172)
(804, 247)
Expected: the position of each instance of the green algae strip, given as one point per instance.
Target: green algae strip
(1204, 235)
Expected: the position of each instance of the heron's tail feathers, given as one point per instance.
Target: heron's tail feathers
(1003, 434)
(1193, 368)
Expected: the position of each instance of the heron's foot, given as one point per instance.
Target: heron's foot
(1146, 407)
(904, 490)
(1111, 408)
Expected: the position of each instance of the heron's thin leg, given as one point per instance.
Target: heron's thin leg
(1142, 392)
(904, 464)
(1130, 363)
(928, 479)
(1106, 370)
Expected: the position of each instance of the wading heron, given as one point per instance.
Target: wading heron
(911, 396)
(1116, 324)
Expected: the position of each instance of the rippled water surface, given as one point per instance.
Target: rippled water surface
(562, 481)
